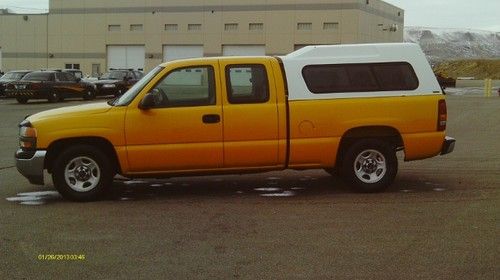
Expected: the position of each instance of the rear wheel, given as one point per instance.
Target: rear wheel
(22, 99)
(370, 165)
(82, 173)
(53, 97)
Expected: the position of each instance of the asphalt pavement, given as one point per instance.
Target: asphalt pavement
(439, 220)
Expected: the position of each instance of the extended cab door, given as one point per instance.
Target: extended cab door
(183, 131)
(254, 113)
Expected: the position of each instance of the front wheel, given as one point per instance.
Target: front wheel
(82, 173)
(89, 94)
(370, 165)
(22, 100)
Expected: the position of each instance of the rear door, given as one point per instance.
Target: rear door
(253, 128)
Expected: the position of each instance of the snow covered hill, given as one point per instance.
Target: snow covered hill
(454, 44)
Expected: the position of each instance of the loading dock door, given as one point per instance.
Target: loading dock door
(173, 52)
(126, 57)
(243, 50)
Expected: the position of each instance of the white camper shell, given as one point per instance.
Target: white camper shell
(338, 55)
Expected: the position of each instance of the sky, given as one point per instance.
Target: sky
(461, 14)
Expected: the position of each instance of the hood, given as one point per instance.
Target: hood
(79, 110)
(5, 81)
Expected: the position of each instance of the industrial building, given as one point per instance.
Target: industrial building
(94, 35)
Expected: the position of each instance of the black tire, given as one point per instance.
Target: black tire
(370, 165)
(82, 173)
(89, 94)
(22, 99)
(53, 97)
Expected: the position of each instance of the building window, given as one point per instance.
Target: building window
(304, 26)
(72, 66)
(114, 27)
(367, 2)
(136, 27)
(256, 26)
(331, 26)
(194, 27)
(230, 26)
(399, 14)
(171, 27)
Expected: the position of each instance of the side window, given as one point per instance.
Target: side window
(138, 75)
(396, 76)
(366, 77)
(61, 77)
(191, 86)
(247, 84)
(69, 77)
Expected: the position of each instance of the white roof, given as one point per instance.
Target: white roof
(358, 53)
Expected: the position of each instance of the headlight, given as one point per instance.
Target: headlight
(27, 136)
(109, 86)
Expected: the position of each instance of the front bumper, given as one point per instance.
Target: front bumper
(31, 166)
(448, 145)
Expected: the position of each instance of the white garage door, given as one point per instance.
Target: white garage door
(173, 52)
(126, 57)
(243, 50)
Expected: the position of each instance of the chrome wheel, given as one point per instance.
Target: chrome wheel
(82, 174)
(370, 166)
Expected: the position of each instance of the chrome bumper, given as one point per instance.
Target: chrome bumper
(448, 145)
(31, 165)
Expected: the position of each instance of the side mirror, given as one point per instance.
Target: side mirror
(147, 102)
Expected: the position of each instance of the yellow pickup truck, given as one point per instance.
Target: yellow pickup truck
(345, 108)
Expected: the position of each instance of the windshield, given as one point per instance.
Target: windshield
(115, 75)
(128, 96)
(12, 76)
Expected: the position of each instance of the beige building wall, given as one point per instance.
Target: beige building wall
(79, 31)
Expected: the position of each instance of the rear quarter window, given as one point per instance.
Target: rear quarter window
(362, 77)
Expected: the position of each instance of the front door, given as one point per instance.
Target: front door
(183, 132)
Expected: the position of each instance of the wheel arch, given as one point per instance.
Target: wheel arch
(385, 133)
(101, 143)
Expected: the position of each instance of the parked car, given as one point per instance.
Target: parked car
(11, 77)
(52, 85)
(117, 81)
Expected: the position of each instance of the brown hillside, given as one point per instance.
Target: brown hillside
(477, 68)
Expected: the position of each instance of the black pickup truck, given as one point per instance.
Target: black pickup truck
(51, 85)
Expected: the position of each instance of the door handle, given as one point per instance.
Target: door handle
(211, 118)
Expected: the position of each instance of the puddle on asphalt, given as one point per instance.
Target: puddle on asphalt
(439, 189)
(133, 182)
(273, 178)
(267, 189)
(406, 191)
(282, 194)
(34, 198)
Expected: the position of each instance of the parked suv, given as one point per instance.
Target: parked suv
(117, 81)
(52, 85)
(11, 77)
